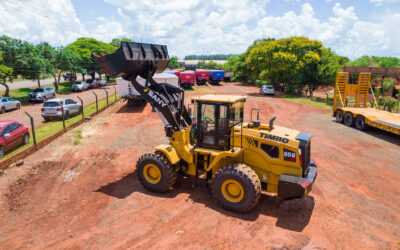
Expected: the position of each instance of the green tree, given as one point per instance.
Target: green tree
(173, 63)
(230, 64)
(13, 53)
(387, 61)
(212, 65)
(364, 61)
(116, 42)
(5, 72)
(84, 47)
(288, 61)
(328, 66)
(202, 64)
(33, 63)
(63, 59)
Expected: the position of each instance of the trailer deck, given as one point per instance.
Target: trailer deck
(380, 119)
(372, 117)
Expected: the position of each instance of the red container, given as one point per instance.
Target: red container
(187, 78)
(202, 76)
(178, 72)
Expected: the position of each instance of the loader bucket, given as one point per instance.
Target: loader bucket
(133, 59)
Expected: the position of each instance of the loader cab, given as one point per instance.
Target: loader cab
(214, 116)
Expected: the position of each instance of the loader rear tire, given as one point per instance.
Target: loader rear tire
(155, 172)
(339, 116)
(236, 187)
(348, 119)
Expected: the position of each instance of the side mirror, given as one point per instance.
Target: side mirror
(271, 122)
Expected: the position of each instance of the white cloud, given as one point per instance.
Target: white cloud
(40, 20)
(381, 2)
(203, 27)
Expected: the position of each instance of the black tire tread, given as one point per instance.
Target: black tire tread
(241, 170)
(171, 173)
(344, 119)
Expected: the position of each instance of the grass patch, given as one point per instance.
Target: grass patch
(315, 102)
(52, 127)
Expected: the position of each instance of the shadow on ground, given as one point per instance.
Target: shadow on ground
(132, 108)
(378, 133)
(292, 215)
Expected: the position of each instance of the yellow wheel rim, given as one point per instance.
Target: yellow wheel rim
(232, 191)
(152, 173)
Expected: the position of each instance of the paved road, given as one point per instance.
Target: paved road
(30, 84)
(34, 109)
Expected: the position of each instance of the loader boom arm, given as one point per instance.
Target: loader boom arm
(139, 59)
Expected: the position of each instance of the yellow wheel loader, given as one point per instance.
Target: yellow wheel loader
(211, 142)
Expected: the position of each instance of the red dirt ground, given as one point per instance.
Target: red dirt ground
(88, 195)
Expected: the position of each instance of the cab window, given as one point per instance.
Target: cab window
(272, 151)
(236, 113)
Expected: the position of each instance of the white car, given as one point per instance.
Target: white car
(7, 103)
(80, 86)
(267, 90)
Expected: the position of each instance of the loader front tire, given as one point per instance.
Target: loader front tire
(236, 187)
(155, 172)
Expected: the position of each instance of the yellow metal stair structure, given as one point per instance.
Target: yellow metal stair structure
(339, 97)
(362, 90)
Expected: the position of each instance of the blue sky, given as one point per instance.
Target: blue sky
(351, 27)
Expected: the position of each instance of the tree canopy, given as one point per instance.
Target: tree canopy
(116, 42)
(85, 46)
(290, 63)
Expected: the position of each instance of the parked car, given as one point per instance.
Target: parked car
(267, 90)
(7, 103)
(93, 83)
(41, 94)
(12, 134)
(67, 76)
(80, 86)
(102, 82)
(52, 108)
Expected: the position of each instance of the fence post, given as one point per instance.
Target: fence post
(83, 115)
(33, 129)
(115, 94)
(62, 110)
(106, 95)
(97, 103)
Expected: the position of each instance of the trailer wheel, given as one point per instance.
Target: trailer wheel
(339, 116)
(349, 119)
(360, 123)
(236, 187)
(155, 172)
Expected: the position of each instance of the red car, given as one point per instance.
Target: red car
(12, 134)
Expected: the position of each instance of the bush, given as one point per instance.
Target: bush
(389, 103)
(387, 84)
